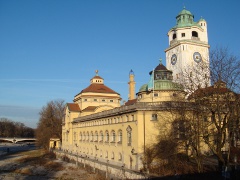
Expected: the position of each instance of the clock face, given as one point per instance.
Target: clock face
(174, 59)
(197, 57)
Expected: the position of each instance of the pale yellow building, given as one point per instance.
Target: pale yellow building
(97, 127)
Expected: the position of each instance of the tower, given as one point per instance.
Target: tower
(131, 85)
(188, 44)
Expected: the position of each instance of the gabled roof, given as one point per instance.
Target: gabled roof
(73, 107)
(130, 102)
(98, 88)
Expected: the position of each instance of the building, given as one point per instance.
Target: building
(98, 128)
(188, 46)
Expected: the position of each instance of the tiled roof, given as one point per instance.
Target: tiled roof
(73, 107)
(98, 88)
(89, 108)
(208, 91)
(131, 102)
(97, 77)
(160, 67)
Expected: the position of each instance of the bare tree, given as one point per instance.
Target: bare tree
(218, 103)
(49, 124)
(9, 128)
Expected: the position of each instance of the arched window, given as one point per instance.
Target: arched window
(107, 136)
(113, 136)
(91, 137)
(87, 137)
(84, 136)
(96, 136)
(194, 34)
(120, 136)
(120, 157)
(129, 136)
(74, 136)
(174, 36)
(106, 154)
(101, 136)
(80, 136)
(112, 155)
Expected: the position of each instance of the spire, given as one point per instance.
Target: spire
(131, 85)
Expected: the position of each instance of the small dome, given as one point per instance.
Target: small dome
(202, 19)
(143, 88)
(185, 12)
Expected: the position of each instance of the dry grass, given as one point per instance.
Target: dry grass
(25, 171)
(42, 163)
(40, 158)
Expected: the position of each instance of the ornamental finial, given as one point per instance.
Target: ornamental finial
(96, 71)
(160, 60)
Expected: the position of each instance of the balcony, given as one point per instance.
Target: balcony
(195, 38)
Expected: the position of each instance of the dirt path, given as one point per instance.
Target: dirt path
(38, 165)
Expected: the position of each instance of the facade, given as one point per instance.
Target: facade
(98, 128)
(117, 134)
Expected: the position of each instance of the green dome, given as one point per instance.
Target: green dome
(143, 88)
(185, 19)
(185, 12)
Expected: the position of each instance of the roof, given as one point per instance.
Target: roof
(97, 77)
(208, 91)
(185, 19)
(185, 12)
(160, 67)
(89, 108)
(73, 107)
(98, 88)
(131, 102)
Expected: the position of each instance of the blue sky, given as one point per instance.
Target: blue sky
(50, 49)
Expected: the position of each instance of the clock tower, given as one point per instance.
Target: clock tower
(188, 44)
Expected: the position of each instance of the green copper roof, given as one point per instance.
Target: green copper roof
(185, 12)
(162, 85)
(185, 19)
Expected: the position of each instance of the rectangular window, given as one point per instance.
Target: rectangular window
(155, 94)
(85, 99)
(154, 117)
(111, 100)
(95, 100)
(183, 34)
(103, 100)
